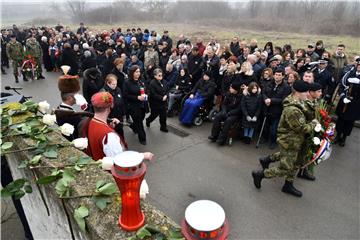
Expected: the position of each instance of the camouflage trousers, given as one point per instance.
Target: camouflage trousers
(290, 162)
(16, 64)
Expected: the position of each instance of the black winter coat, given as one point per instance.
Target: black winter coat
(118, 111)
(232, 104)
(157, 91)
(46, 56)
(228, 79)
(250, 106)
(87, 63)
(92, 83)
(325, 78)
(121, 77)
(205, 88)
(184, 83)
(194, 65)
(68, 57)
(131, 93)
(277, 93)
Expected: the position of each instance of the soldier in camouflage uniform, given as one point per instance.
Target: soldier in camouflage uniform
(34, 49)
(15, 52)
(291, 136)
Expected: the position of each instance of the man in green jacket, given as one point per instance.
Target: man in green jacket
(15, 52)
(34, 49)
(292, 130)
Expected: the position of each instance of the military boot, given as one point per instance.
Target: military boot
(337, 138)
(305, 174)
(16, 78)
(24, 78)
(258, 176)
(289, 188)
(41, 77)
(265, 162)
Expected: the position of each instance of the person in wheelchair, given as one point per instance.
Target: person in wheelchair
(182, 87)
(202, 93)
(230, 113)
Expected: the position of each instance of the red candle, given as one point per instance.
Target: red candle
(129, 171)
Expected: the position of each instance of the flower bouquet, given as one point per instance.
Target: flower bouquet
(29, 67)
(319, 142)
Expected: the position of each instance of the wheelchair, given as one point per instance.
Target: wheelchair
(203, 113)
(179, 103)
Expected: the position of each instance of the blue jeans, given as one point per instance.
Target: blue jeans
(274, 122)
(248, 132)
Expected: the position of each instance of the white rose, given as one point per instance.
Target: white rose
(107, 163)
(144, 189)
(316, 141)
(43, 106)
(49, 119)
(67, 129)
(80, 143)
(318, 127)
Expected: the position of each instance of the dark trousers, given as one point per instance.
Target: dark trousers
(344, 127)
(274, 123)
(6, 178)
(223, 133)
(155, 112)
(138, 115)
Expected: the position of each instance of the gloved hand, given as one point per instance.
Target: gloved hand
(254, 119)
(346, 100)
(81, 101)
(354, 80)
(248, 118)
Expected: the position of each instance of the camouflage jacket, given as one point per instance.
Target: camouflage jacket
(309, 109)
(293, 125)
(15, 50)
(33, 48)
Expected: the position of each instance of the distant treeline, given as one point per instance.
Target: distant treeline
(307, 16)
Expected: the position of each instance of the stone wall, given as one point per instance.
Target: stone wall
(100, 224)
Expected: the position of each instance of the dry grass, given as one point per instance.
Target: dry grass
(225, 34)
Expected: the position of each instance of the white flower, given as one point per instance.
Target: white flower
(144, 189)
(43, 106)
(67, 129)
(49, 119)
(107, 163)
(316, 141)
(318, 127)
(80, 143)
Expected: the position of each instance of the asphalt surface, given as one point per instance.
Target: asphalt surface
(191, 168)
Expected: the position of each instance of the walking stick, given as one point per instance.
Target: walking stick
(261, 132)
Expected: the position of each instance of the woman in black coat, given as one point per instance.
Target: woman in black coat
(68, 57)
(46, 57)
(251, 109)
(118, 70)
(136, 101)
(118, 111)
(157, 100)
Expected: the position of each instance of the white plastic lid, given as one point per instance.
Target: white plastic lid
(128, 159)
(205, 215)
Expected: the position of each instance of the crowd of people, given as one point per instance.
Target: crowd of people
(148, 72)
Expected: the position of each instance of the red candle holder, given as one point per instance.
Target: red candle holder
(129, 171)
(205, 220)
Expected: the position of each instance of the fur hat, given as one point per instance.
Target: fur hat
(68, 83)
(236, 85)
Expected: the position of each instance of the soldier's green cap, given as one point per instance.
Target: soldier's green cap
(301, 86)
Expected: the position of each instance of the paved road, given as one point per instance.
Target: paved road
(191, 168)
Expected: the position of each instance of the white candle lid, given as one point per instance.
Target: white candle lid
(128, 159)
(205, 215)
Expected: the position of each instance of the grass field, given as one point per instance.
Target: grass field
(225, 34)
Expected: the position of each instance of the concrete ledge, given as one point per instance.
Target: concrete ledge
(100, 224)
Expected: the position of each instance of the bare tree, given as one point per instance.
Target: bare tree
(77, 9)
